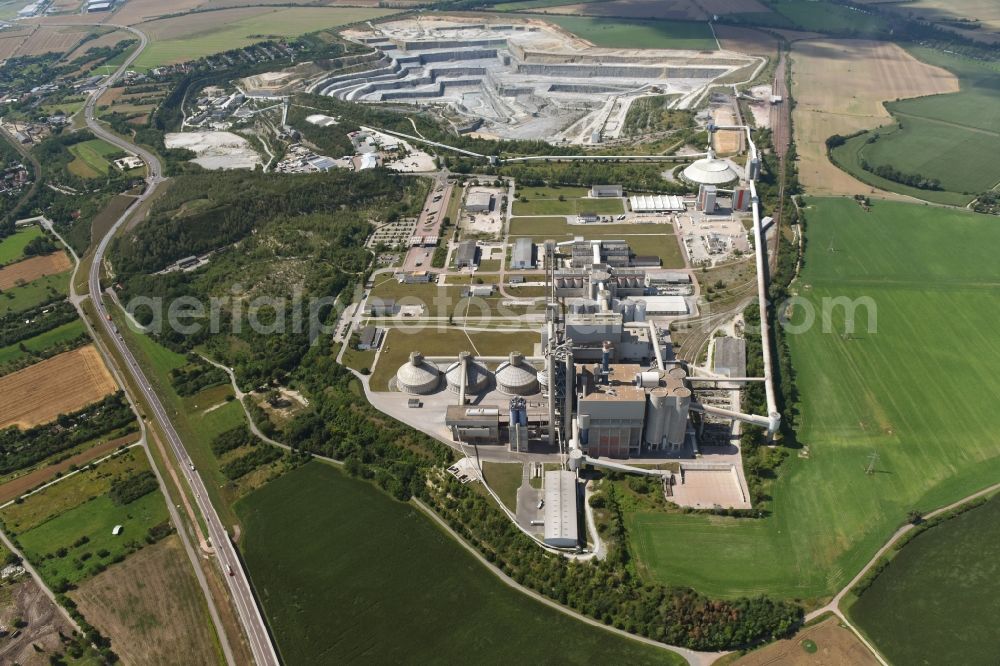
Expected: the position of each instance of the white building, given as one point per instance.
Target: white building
(478, 202)
(656, 203)
(599, 191)
(561, 519)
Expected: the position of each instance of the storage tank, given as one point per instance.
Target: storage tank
(477, 376)
(516, 377)
(543, 382)
(640, 311)
(657, 414)
(629, 312)
(417, 375)
(681, 397)
(648, 379)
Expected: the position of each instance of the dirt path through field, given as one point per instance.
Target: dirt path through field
(839, 88)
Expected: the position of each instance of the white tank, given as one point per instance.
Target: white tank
(640, 311)
(681, 399)
(656, 416)
(648, 379)
(417, 375)
(477, 376)
(516, 377)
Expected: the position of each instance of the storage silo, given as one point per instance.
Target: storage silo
(418, 375)
(681, 399)
(477, 375)
(657, 414)
(516, 377)
(640, 311)
(543, 381)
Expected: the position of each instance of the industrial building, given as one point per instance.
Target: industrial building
(474, 424)
(741, 199)
(478, 202)
(523, 255)
(467, 376)
(370, 338)
(601, 191)
(657, 203)
(588, 218)
(516, 376)
(587, 253)
(381, 307)
(467, 254)
(707, 198)
(710, 170)
(562, 522)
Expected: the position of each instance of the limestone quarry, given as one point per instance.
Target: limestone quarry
(527, 80)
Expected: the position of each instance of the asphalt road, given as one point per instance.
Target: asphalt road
(250, 616)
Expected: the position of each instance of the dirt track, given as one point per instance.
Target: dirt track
(839, 88)
(58, 385)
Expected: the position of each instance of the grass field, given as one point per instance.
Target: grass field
(932, 277)
(954, 137)
(827, 642)
(197, 35)
(150, 606)
(36, 292)
(828, 17)
(504, 479)
(447, 342)
(91, 158)
(64, 333)
(569, 207)
(347, 574)
(839, 88)
(938, 599)
(12, 247)
(637, 34)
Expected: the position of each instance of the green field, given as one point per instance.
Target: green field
(504, 479)
(815, 16)
(954, 137)
(92, 158)
(215, 37)
(918, 391)
(569, 207)
(637, 34)
(347, 574)
(64, 333)
(536, 4)
(37, 292)
(12, 247)
(939, 598)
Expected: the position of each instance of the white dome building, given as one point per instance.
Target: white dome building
(477, 375)
(710, 171)
(417, 375)
(515, 377)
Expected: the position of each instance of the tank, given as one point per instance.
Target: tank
(543, 381)
(418, 376)
(678, 422)
(517, 377)
(640, 311)
(477, 376)
(656, 417)
(648, 379)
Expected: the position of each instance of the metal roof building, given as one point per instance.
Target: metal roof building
(664, 305)
(478, 202)
(561, 521)
(656, 203)
(523, 255)
(730, 357)
(710, 171)
(466, 254)
(605, 191)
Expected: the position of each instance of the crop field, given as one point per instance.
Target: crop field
(938, 599)
(399, 342)
(675, 10)
(64, 333)
(53, 39)
(402, 591)
(151, 606)
(12, 247)
(931, 276)
(625, 33)
(954, 137)
(32, 268)
(839, 87)
(824, 16)
(92, 158)
(36, 292)
(58, 385)
(196, 35)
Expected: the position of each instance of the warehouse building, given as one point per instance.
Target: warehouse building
(730, 357)
(707, 195)
(479, 202)
(467, 254)
(657, 203)
(602, 191)
(561, 510)
(664, 305)
(473, 424)
(370, 338)
(523, 255)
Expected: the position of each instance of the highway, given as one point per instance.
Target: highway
(250, 617)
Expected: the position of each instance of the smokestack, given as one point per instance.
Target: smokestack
(606, 360)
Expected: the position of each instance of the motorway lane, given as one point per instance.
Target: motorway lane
(263, 650)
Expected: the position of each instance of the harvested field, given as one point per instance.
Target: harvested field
(11, 40)
(151, 607)
(57, 39)
(33, 268)
(137, 11)
(834, 644)
(747, 40)
(839, 87)
(59, 385)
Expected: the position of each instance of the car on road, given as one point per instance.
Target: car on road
(541, 503)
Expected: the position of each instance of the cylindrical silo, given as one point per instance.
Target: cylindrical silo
(477, 376)
(516, 377)
(417, 375)
(657, 414)
(678, 422)
(640, 311)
